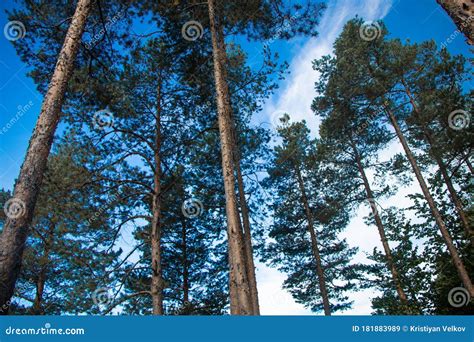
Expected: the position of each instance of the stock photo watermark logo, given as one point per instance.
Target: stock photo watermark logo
(279, 118)
(459, 119)
(101, 297)
(192, 208)
(192, 31)
(14, 208)
(14, 30)
(370, 30)
(46, 330)
(465, 23)
(458, 297)
(22, 110)
(109, 23)
(373, 207)
(103, 119)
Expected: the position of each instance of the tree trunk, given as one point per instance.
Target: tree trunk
(39, 293)
(462, 13)
(453, 194)
(184, 241)
(442, 168)
(157, 272)
(30, 178)
(380, 227)
(463, 275)
(240, 299)
(247, 231)
(314, 244)
(469, 166)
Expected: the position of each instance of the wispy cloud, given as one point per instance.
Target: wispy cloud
(295, 98)
(297, 92)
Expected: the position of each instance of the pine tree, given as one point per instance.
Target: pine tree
(66, 253)
(378, 82)
(15, 231)
(307, 222)
(461, 12)
(352, 136)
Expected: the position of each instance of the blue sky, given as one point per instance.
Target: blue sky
(406, 19)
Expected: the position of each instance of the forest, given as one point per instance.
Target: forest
(150, 185)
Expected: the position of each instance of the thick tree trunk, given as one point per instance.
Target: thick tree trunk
(463, 275)
(380, 227)
(246, 229)
(26, 190)
(314, 244)
(157, 272)
(462, 13)
(240, 298)
(442, 168)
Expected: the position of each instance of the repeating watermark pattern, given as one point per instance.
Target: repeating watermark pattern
(192, 208)
(14, 208)
(458, 297)
(22, 110)
(101, 296)
(374, 211)
(14, 30)
(192, 30)
(467, 22)
(459, 119)
(95, 216)
(279, 118)
(287, 23)
(109, 23)
(370, 30)
(102, 119)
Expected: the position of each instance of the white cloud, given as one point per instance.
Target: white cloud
(295, 98)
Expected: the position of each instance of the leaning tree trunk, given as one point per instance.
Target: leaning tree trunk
(314, 244)
(15, 229)
(185, 262)
(462, 13)
(246, 225)
(463, 275)
(380, 227)
(452, 193)
(156, 266)
(469, 165)
(442, 167)
(240, 298)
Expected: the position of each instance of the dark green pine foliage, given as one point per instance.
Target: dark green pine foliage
(408, 256)
(290, 247)
(67, 258)
(416, 84)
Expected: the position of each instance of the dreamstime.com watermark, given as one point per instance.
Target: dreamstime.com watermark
(46, 330)
(22, 110)
(468, 21)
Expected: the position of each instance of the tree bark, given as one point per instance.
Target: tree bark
(469, 166)
(380, 227)
(462, 13)
(442, 168)
(240, 298)
(157, 272)
(453, 194)
(30, 178)
(246, 229)
(314, 244)
(463, 275)
(184, 241)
